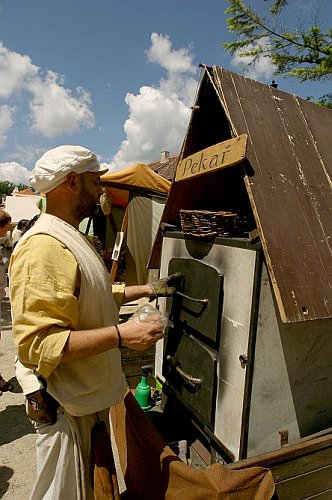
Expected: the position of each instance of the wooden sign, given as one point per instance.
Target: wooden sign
(221, 155)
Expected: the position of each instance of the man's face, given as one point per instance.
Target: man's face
(89, 194)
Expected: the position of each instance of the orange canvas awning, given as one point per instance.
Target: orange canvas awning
(136, 178)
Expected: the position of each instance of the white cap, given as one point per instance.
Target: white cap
(53, 167)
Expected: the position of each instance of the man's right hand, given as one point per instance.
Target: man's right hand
(140, 336)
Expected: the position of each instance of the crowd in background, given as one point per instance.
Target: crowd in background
(9, 236)
(6, 244)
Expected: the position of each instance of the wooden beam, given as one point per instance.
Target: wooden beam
(300, 448)
(123, 230)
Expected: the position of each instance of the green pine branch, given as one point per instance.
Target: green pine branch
(304, 54)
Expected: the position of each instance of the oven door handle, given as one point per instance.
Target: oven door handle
(200, 301)
(194, 383)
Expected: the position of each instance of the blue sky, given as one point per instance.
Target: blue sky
(118, 77)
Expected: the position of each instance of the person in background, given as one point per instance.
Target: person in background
(30, 223)
(5, 221)
(6, 242)
(66, 321)
(18, 230)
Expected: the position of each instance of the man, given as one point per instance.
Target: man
(65, 320)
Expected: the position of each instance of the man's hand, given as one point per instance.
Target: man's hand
(141, 336)
(166, 287)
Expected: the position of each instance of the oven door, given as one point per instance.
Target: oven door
(199, 306)
(192, 338)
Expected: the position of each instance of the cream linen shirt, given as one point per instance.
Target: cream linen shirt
(44, 301)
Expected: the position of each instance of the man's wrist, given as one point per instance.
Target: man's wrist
(150, 291)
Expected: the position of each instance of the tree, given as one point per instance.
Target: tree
(326, 100)
(21, 187)
(7, 187)
(304, 53)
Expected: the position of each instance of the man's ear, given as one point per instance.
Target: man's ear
(72, 181)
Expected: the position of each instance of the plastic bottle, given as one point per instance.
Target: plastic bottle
(143, 389)
(147, 312)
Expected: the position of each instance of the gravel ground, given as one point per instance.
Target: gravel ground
(17, 435)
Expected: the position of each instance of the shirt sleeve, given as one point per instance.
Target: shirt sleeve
(43, 275)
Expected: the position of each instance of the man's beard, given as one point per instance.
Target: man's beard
(87, 205)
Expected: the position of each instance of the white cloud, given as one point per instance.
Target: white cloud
(55, 110)
(25, 154)
(14, 172)
(6, 121)
(262, 69)
(158, 116)
(175, 61)
(15, 70)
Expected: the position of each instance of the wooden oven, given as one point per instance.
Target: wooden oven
(246, 352)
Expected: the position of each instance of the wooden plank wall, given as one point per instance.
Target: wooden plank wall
(289, 185)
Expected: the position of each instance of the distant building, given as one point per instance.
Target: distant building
(166, 166)
(22, 204)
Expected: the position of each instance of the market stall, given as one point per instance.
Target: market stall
(137, 196)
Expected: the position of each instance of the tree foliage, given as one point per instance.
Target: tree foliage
(326, 100)
(304, 53)
(7, 187)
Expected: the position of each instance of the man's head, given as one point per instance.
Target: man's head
(52, 168)
(5, 220)
(70, 177)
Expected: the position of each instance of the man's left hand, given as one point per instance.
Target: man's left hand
(166, 287)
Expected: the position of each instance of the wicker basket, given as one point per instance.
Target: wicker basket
(206, 224)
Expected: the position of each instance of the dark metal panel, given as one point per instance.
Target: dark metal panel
(190, 370)
(200, 309)
(189, 364)
(289, 189)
